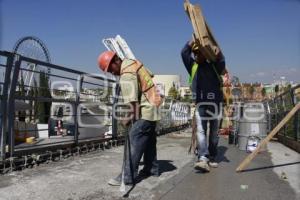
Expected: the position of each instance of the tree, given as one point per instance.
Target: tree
(288, 88)
(31, 103)
(263, 92)
(276, 89)
(173, 93)
(43, 107)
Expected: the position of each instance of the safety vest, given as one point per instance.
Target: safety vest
(193, 73)
(147, 85)
(193, 85)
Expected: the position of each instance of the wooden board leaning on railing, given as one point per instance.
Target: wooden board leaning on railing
(202, 33)
(250, 157)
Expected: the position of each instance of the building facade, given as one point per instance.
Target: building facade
(166, 82)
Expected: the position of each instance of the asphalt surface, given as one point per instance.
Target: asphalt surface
(85, 177)
(259, 181)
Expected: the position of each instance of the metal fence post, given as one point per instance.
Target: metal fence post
(114, 120)
(277, 115)
(3, 124)
(268, 110)
(77, 102)
(11, 104)
(283, 112)
(296, 118)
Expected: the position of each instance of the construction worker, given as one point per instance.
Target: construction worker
(136, 87)
(206, 84)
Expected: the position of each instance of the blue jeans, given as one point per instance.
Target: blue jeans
(142, 140)
(206, 151)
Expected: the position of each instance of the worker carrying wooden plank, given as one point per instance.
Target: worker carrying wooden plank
(206, 84)
(205, 64)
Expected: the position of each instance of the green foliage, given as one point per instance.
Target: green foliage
(287, 88)
(173, 93)
(263, 92)
(276, 89)
(31, 103)
(43, 107)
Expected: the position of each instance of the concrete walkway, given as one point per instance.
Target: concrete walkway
(85, 177)
(273, 175)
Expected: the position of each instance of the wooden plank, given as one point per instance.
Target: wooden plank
(186, 8)
(198, 29)
(212, 36)
(206, 36)
(201, 24)
(201, 48)
(250, 157)
(203, 35)
(216, 47)
(209, 48)
(195, 25)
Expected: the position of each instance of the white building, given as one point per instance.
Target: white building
(165, 82)
(185, 91)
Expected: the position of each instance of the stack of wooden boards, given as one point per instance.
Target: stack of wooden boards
(203, 36)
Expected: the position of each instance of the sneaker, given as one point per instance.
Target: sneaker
(114, 182)
(117, 181)
(202, 165)
(213, 164)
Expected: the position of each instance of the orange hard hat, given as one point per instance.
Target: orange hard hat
(105, 59)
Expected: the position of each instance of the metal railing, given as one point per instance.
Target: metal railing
(30, 108)
(64, 108)
(278, 107)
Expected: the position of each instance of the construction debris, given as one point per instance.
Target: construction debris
(283, 176)
(244, 187)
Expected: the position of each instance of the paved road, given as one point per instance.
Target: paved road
(260, 182)
(85, 177)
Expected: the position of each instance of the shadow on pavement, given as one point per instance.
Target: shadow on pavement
(221, 154)
(166, 166)
(268, 167)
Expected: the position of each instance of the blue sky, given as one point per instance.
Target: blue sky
(260, 38)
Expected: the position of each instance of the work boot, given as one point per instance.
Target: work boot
(202, 165)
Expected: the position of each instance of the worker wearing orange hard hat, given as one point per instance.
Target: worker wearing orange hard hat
(140, 94)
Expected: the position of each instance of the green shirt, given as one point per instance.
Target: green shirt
(131, 92)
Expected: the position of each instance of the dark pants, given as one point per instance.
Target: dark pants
(142, 140)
